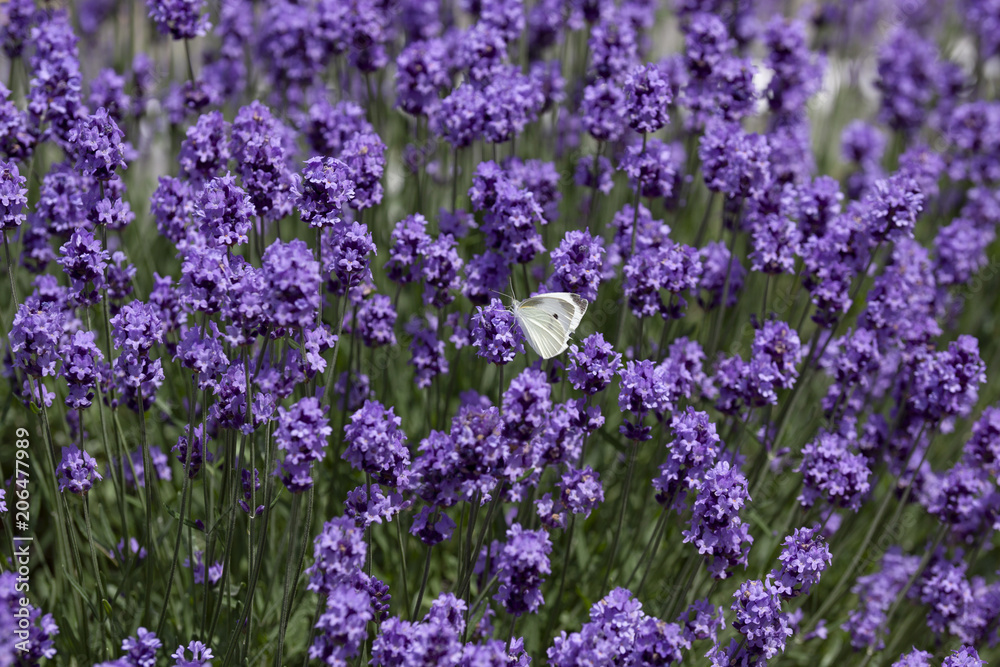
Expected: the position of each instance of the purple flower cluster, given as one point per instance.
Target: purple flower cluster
(495, 334)
(301, 433)
(691, 454)
(831, 471)
(620, 631)
(77, 471)
(760, 620)
(375, 444)
(521, 566)
(716, 528)
(804, 557)
(134, 331)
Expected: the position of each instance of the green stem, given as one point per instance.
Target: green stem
(621, 515)
(97, 569)
(185, 494)
(286, 602)
(423, 582)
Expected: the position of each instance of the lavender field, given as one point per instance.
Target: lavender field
(269, 396)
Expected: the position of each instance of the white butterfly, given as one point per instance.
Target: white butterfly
(547, 320)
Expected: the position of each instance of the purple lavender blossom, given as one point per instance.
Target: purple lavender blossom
(13, 196)
(54, 101)
(181, 19)
(526, 404)
(892, 206)
(140, 650)
(804, 557)
(581, 491)
(409, 238)
(671, 267)
(191, 454)
(432, 526)
(458, 119)
(716, 528)
(963, 498)
(618, 630)
(973, 132)
(594, 172)
(201, 655)
(205, 150)
(82, 364)
(99, 148)
(326, 188)
(653, 168)
(421, 74)
(262, 148)
(172, 206)
(511, 100)
(642, 391)
(613, 47)
(198, 571)
(760, 620)
(915, 658)
(862, 144)
(734, 163)
(522, 565)
(377, 508)
(292, 282)
(426, 350)
(159, 460)
(34, 339)
(224, 211)
(947, 383)
(593, 364)
(797, 72)
(832, 472)
(961, 251)
(364, 155)
(604, 110)
(707, 42)
(377, 321)
(904, 292)
(77, 471)
(495, 334)
(301, 433)
(134, 331)
(907, 66)
(85, 263)
(375, 444)
(966, 656)
(18, 17)
(510, 224)
(694, 449)
(775, 238)
(38, 631)
(346, 252)
(342, 627)
(648, 98)
(539, 178)
(338, 554)
(577, 264)
(439, 268)
(983, 447)
(201, 350)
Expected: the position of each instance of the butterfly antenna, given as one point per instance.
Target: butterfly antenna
(506, 296)
(512, 295)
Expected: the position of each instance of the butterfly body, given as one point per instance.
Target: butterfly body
(547, 320)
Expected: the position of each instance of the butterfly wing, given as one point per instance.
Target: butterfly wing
(547, 320)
